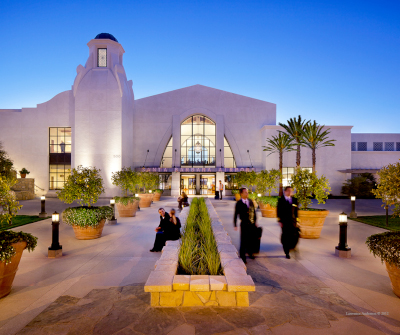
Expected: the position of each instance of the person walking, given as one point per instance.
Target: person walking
(161, 230)
(221, 188)
(287, 218)
(248, 223)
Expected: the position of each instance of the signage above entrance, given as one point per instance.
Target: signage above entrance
(192, 170)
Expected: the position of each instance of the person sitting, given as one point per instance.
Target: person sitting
(174, 230)
(161, 231)
(183, 201)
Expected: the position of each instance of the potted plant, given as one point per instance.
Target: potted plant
(126, 180)
(266, 182)
(387, 247)
(85, 185)
(307, 184)
(157, 194)
(24, 172)
(147, 181)
(12, 244)
(236, 194)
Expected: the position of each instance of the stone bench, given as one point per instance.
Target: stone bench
(168, 289)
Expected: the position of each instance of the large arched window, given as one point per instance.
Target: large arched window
(198, 141)
(229, 159)
(166, 160)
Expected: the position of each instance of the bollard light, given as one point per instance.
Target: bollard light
(42, 213)
(259, 195)
(150, 191)
(55, 250)
(113, 220)
(343, 250)
(136, 195)
(353, 213)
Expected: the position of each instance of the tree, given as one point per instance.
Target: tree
(360, 186)
(294, 128)
(388, 188)
(315, 137)
(148, 180)
(9, 205)
(126, 180)
(6, 164)
(280, 144)
(267, 181)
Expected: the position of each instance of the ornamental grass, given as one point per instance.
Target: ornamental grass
(198, 253)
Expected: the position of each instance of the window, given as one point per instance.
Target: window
(378, 146)
(165, 181)
(166, 160)
(287, 173)
(59, 156)
(361, 146)
(229, 160)
(389, 146)
(397, 146)
(353, 146)
(230, 182)
(198, 141)
(102, 57)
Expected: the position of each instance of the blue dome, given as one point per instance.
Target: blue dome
(105, 36)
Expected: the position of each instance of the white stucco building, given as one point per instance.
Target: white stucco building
(193, 137)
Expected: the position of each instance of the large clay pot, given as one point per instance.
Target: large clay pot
(237, 197)
(128, 210)
(7, 272)
(311, 223)
(267, 211)
(394, 275)
(157, 196)
(145, 199)
(89, 233)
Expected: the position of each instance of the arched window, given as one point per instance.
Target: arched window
(198, 141)
(229, 159)
(166, 160)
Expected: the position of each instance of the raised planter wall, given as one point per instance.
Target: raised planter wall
(171, 290)
(24, 189)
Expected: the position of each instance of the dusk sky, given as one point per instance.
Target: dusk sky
(337, 62)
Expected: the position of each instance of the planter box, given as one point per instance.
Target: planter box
(267, 211)
(394, 275)
(128, 210)
(89, 233)
(145, 199)
(157, 196)
(171, 290)
(311, 223)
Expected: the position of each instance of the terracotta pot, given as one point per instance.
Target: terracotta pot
(157, 196)
(7, 272)
(89, 233)
(23, 175)
(267, 211)
(394, 275)
(237, 197)
(128, 210)
(311, 223)
(145, 199)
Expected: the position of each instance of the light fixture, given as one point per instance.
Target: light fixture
(150, 191)
(112, 201)
(55, 217)
(136, 195)
(353, 198)
(353, 213)
(342, 249)
(197, 147)
(42, 213)
(342, 218)
(259, 195)
(42, 197)
(55, 250)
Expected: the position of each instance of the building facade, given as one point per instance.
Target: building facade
(192, 137)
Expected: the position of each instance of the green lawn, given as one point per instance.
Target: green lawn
(21, 220)
(380, 221)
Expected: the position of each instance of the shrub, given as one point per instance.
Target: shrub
(148, 180)
(126, 200)
(7, 238)
(84, 184)
(268, 181)
(87, 217)
(158, 191)
(272, 201)
(360, 186)
(8, 204)
(386, 246)
(235, 192)
(24, 171)
(126, 180)
(307, 185)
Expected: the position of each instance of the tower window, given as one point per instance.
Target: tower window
(102, 57)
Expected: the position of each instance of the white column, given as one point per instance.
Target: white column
(220, 131)
(220, 176)
(175, 184)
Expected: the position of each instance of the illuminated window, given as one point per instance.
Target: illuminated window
(198, 141)
(287, 173)
(102, 57)
(166, 160)
(59, 156)
(229, 159)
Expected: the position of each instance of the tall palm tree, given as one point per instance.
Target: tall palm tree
(279, 144)
(315, 137)
(294, 128)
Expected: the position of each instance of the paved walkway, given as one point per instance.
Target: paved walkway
(97, 286)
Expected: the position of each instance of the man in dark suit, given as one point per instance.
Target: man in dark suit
(247, 213)
(287, 218)
(160, 230)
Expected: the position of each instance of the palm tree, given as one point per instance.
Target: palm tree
(294, 129)
(315, 137)
(280, 144)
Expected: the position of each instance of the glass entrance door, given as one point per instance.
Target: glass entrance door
(207, 184)
(188, 184)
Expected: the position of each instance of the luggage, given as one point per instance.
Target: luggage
(257, 239)
(216, 195)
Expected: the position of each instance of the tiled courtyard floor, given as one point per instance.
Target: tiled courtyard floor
(99, 290)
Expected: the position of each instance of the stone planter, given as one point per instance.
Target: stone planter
(7, 272)
(267, 211)
(89, 233)
(237, 197)
(157, 196)
(394, 275)
(128, 210)
(311, 223)
(145, 199)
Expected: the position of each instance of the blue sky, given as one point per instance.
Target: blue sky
(337, 62)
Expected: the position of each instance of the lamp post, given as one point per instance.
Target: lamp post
(55, 250)
(353, 213)
(343, 250)
(42, 213)
(113, 220)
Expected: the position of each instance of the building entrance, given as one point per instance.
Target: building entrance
(188, 184)
(207, 184)
(198, 184)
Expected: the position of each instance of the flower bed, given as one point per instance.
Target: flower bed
(169, 289)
